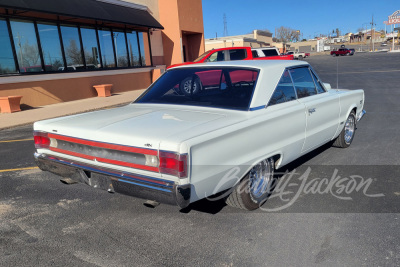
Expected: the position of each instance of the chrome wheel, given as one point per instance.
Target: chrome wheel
(189, 87)
(260, 179)
(349, 129)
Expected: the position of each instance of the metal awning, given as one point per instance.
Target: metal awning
(88, 9)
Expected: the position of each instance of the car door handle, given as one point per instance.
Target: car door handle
(311, 111)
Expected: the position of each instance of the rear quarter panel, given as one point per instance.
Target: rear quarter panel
(349, 100)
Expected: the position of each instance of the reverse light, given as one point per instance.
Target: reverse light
(173, 164)
(41, 140)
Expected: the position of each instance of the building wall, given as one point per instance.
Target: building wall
(48, 90)
(255, 39)
(308, 46)
(181, 18)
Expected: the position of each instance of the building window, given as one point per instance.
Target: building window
(144, 49)
(90, 48)
(26, 46)
(120, 48)
(51, 47)
(72, 48)
(133, 47)
(7, 63)
(106, 46)
(47, 46)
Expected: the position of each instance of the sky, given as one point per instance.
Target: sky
(312, 18)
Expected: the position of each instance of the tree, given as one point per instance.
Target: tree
(29, 55)
(337, 32)
(285, 34)
(73, 53)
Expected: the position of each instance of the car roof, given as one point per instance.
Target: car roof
(260, 64)
(261, 48)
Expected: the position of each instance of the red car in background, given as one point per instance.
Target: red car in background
(342, 52)
(230, 53)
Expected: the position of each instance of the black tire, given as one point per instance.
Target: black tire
(252, 191)
(343, 140)
(186, 86)
(300, 57)
(347, 54)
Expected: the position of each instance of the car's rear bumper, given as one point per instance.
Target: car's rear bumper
(150, 188)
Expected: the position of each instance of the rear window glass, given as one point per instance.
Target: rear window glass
(270, 52)
(229, 88)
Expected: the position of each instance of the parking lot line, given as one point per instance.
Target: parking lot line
(19, 169)
(10, 141)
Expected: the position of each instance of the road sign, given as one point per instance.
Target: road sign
(394, 18)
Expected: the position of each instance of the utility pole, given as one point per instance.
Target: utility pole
(225, 26)
(372, 33)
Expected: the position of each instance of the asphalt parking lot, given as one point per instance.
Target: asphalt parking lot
(46, 223)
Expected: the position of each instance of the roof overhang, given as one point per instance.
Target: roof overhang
(88, 9)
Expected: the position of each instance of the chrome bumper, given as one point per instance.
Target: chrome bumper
(163, 191)
(362, 113)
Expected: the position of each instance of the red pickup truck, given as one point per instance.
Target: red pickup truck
(230, 53)
(342, 52)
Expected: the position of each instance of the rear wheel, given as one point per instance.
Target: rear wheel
(189, 87)
(300, 57)
(347, 135)
(254, 189)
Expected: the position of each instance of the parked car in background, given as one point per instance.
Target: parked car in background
(297, 55)
(179, 145)
(343, 52)
(230, 53)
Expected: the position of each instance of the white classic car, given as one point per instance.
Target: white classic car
(179, 141)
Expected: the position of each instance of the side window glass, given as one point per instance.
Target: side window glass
(255, 54)
(303, 82)
(217, 56)
(320, 89)
(237, 54)
(284, 92)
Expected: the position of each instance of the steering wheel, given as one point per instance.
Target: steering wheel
(241, 84)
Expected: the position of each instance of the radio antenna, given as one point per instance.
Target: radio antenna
(337, 72)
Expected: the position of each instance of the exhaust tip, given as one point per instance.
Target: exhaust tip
(151, 203)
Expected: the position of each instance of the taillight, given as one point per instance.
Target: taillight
(173, 163)
(41, 140)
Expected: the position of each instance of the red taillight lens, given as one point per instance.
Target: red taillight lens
(173, 163)
(41, 140)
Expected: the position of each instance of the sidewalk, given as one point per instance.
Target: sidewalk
(10, 120)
